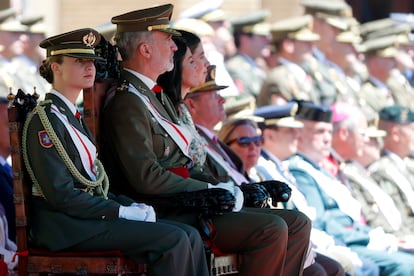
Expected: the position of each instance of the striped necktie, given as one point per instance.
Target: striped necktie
(8, 168)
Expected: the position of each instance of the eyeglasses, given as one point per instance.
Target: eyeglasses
(246, 141)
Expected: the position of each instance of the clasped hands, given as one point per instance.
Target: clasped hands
(137, 212)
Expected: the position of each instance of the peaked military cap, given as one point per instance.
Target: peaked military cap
(395, 29)
(375, 25)
(348, 37)
(31, 20)
(78, 43)
(298, 28)
(279, 115)
(107, 30)
(145, 20)
(252, 23)
(397, 113)
(214, 16)
(342, 23)
(313, 112)
(327, 7)
(382, 46)
(6, 14)
(34, 24)
(210, 83)
(240, 106)
(207, 10)
(13, 25)
(195, 26)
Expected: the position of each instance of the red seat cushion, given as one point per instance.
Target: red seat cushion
(103, 253)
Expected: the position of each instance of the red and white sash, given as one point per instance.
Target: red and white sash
(181, 135)
(85, 147)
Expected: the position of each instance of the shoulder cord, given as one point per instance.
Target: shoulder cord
(102, 182)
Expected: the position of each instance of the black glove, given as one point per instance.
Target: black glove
(279, 191)
(207, 202)
(210, 201)
(254, 195)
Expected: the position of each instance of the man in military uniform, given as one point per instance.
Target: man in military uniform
(31, 56)
(330, 20)
(292, 41)
(388, 38)
(350, 136)
(390, 171)
(212, 13)
(280, 131)
(337, 211)
(145, 150)
(9, 34)
(386, 85)
(251, 35)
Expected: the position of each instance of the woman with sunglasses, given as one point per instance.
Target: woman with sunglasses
(242, 136)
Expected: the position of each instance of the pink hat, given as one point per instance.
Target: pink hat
(341, 111)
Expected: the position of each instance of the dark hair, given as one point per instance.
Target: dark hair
(45, 70)
(191, 39)
(171, 81)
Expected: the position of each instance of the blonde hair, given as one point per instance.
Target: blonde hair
(230, 125)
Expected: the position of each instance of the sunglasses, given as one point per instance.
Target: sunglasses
(246, 141)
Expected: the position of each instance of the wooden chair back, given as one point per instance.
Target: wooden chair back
(35, 261)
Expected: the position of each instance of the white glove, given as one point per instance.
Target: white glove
(381, 241)
(151, 217)
(137, 212)
(234, 190)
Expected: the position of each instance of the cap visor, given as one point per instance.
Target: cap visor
(170, 31)
(84, 56)
(209, 88)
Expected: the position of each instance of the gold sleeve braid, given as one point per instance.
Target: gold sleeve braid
(101, 185)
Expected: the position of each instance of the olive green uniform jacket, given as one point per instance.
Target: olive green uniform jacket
(398, 183)
(284, 82)
(66, 215)
(378, 208)
(247, 76)
(137, 152)
(401, 90)
(373, 97)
